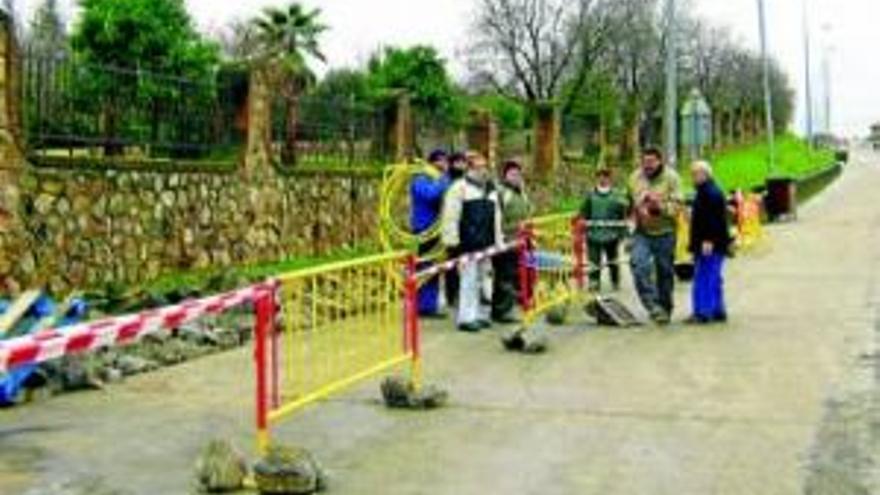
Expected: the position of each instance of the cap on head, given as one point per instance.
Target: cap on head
(437, 155)
(511, 165)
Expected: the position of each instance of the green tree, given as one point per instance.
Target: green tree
(421, 72)
(286, 40)
(345, 84)
(510, 113)
(124, 44)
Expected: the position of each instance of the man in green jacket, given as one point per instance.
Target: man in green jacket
(515, 209)
(605, 211)
(656, 198)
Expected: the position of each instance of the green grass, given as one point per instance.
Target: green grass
(746, 167)
(251, 273)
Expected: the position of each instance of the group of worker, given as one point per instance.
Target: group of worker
(478, 211)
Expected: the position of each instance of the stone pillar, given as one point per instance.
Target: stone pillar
(399, 128)
(258, 158)
(482, 135)
(547, 138)
(401, 134)
(12, 240)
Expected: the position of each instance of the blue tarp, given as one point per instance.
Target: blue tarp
(12, 383)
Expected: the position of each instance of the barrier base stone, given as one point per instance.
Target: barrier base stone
(526, 340)
(399, 393)
(290, 471)
(220, 468)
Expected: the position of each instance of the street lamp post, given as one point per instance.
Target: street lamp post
(826, 76)
(768, 97)
(671, 115)
(808, 75)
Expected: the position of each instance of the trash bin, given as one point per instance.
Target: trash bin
(781, 198)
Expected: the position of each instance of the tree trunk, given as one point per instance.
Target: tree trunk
(731, 130)
(717, 130)
(288, 151)
(112, 147)
(630, 141)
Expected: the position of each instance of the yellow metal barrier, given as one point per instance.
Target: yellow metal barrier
(334, 326)
(683, 255)
(750, 230)
(552, 264)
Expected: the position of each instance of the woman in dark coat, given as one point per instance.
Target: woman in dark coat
(710, 244)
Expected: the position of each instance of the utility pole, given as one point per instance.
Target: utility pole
(768, 97)
(808, 75)
(671, 117)
(826, 73)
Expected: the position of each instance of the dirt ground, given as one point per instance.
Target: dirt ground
(782, 400)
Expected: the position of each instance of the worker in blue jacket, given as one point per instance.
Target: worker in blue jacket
(426, 201)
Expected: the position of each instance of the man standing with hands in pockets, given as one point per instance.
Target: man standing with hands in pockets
(656, 195)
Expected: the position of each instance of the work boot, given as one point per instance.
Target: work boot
(660, 316)
(472, 327)
(507, 319)
(696, 320)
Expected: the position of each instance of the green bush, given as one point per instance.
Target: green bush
(746, 167)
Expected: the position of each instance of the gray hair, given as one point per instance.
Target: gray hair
(702, 166)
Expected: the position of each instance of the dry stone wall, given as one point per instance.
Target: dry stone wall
(88, 228)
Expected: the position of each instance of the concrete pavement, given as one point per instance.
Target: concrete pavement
(748, 408)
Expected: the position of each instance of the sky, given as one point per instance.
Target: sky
(845, 29)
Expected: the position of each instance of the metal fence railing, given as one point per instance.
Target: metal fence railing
(319, 131)
(434, 130)
(75, 109)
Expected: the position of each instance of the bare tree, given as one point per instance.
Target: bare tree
(528, 48)
(634, 61)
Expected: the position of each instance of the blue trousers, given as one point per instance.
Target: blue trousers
(708, 289)
(429, 292)
(429, 295)
(653, 266)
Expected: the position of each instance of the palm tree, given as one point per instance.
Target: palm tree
(287, 38)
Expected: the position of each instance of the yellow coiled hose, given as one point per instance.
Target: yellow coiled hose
(394, 231)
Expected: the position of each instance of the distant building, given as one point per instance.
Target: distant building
(875, 136)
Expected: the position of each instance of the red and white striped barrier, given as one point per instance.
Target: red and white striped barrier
(466, 259)
(52, 344)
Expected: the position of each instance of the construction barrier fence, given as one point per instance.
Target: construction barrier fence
(329, 328)
(54, 343)
(552, 264)
(750, 229)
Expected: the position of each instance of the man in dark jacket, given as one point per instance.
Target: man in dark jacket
(710, 243)
(471, 224)
(604, 204)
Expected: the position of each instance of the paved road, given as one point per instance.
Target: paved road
(777, 402)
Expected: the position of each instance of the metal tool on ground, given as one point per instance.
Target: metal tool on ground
(609, 311)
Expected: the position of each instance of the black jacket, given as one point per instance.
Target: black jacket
(709, 220)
